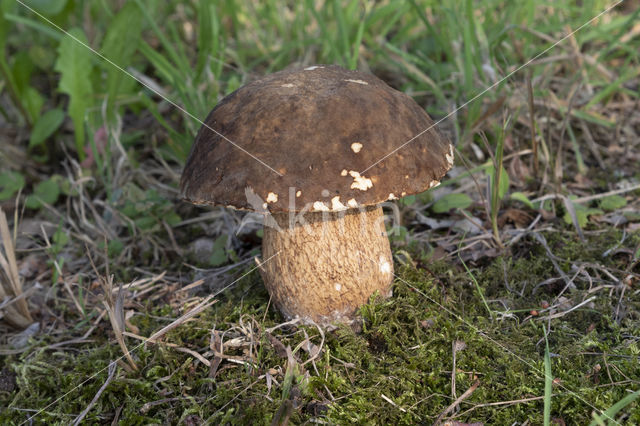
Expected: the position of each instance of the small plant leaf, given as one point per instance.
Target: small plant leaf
(74, 65)
(407, 201)
(582, 214)
(46, 191)
(219, 254)
(519, 196)
(451, 201)
(46, 125)
(60, 239)
(613, 202)
(10, 183)
(504, 181)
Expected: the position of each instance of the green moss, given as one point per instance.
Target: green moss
(403, 353)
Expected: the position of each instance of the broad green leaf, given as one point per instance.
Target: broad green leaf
(451, 201)
(47, 7)
(46, 125)
(74, 65)
(613, 202)
(119, 45)
(519, 196)
(10, 183)
(45, 192)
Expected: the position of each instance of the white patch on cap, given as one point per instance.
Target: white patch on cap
(352, 203)
(272, 198)
(325, 193)
(264, 206)
(385, 266)
(287, 85)
(299, 193)
(338, 286)
(320, 206)
(343, 172)
(392, 197)
(336, 204)
(403, 194)
(312, 68)
(357, 81)
(360, 182)
(356, 147)
(406, 176)
(434, 183)
(450, 155)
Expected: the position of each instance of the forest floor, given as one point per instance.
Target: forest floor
(513, 303)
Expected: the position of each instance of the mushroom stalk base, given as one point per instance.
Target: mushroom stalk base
(326, 267)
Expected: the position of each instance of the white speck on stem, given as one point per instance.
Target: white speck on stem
(385, 266)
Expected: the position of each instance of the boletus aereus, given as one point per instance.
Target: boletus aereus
(317, 150)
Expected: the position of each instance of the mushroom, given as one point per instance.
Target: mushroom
(317, 151)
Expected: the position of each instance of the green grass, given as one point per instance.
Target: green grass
(96, 155)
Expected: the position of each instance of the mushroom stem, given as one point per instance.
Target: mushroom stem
(327, 266)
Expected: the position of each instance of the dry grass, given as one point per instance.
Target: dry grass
(14, 307)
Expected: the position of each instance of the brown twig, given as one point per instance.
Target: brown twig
(112, 371)
(455, 403)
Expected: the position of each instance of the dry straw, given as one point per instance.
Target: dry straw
(13, 303)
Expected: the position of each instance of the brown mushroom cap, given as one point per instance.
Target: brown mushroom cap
(319, 127)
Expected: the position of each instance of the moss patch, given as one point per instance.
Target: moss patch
(395, 370)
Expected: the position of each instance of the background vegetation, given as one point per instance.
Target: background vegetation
(516, 298)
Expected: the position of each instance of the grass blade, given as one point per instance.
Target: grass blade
(614, 409)
(548, 380)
